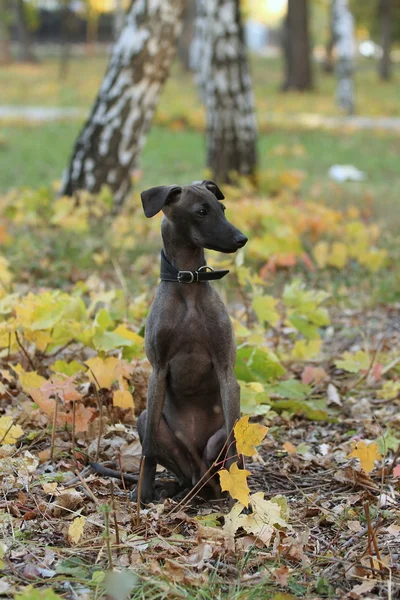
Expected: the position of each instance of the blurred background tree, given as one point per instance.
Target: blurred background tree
(379, 21)
(71, 29)
(297, 47)
(344, 44)
(108, 146)
(5, 32)
(26, 20)
(226, 88)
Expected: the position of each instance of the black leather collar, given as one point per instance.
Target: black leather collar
(171, 273)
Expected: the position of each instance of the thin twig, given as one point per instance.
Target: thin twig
(87, 488)
(73, 434)
(24, 352)
(139, 489)
(372, 537)
(100, 406)
(117, 539)
(129, 503)
(53, 433)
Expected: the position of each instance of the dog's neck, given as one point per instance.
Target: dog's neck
(183, 257)
(180, 254)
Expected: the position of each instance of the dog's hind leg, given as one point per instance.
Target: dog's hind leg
(169, 452)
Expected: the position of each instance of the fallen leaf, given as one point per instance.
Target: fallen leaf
(333, 395)
(367, 454)
(288, 447)
(354, 526)
(9, 433)
(75, 530)
(355, 478)
(313, 375)
(281, 575)
(235, 482)
(248, 435)
(123, 399)
(102, 372)
(28, 379)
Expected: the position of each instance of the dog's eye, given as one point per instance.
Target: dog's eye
(202, 212)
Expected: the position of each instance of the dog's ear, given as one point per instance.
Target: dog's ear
(154, 199)
(212, 186)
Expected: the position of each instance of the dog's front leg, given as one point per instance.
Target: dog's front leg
(155, 405)
(230, 397)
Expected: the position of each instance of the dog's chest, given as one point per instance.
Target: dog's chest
(188, 325)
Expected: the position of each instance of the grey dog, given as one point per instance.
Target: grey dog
(193, 398)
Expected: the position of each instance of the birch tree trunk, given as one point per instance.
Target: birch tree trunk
(223, 75)
(385, 70)
(119, 18)
(186, 39)
(296, 47)
(343, 35)
(114, 134)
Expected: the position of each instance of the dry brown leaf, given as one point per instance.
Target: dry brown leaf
(354, 526)
(355, 478)
(66, 503)
(281, 575)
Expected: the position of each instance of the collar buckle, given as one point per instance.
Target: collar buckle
(187, 276)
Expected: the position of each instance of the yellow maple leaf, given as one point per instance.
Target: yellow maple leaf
(124, 332)
(102, 372)
(321, 253)
(75, 530)
(5, 275)
(367, 454)
(28, 379)
(234, 519)
(338, 256)
(41, 339)
(9, 433)
(123, 399)
(248, 435)
(235, 482)
(265, 517)
(306, 349)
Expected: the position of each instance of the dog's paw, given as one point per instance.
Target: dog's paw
(146, 496)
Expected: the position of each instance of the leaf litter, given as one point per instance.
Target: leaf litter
(318, 512)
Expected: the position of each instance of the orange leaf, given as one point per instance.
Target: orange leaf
(83, 417)
(288, 446)
(396, 471)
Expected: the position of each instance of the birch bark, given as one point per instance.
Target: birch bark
(223, 74)
(109, 144)
(343, 34)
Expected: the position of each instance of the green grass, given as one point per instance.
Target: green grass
(34, 156)
(39, 85)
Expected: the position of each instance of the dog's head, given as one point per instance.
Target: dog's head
(196, 213)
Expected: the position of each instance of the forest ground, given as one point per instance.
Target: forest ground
(315, 302)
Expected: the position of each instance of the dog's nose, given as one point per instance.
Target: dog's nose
(240, 239)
